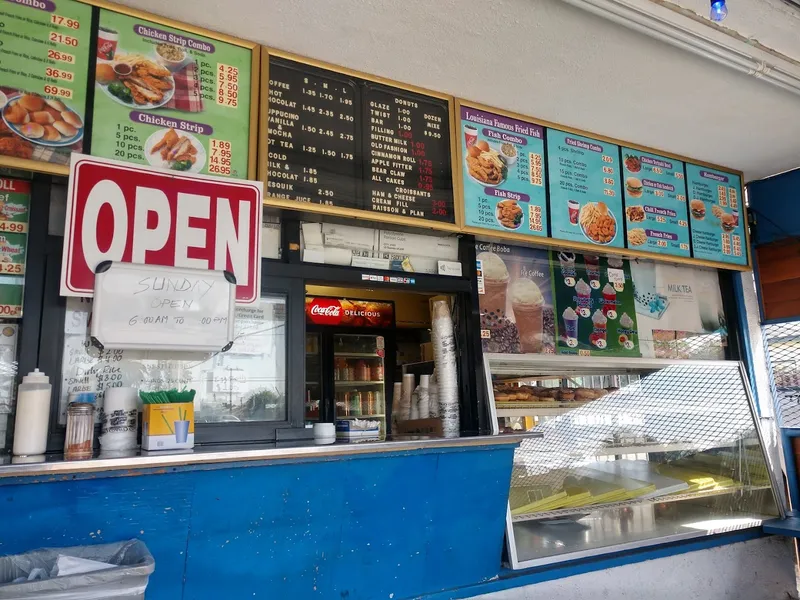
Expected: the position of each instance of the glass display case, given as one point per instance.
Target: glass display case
(632, 453)
(358, 376)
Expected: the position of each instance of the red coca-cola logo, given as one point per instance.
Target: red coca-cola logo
(324, 311)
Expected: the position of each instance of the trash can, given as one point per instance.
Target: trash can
(40, 574)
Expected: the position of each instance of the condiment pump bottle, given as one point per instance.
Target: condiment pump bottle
(33, 414)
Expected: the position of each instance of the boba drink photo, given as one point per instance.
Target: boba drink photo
(527, 302)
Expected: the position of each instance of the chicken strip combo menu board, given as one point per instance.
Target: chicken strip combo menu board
(655, 203)
(715, 204)
(171, 99)
(504, 176)
(44, 63)
(347, 142)
(585, 191)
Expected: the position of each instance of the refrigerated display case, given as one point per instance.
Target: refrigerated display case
(632, 453)
(350, 346)
(359, 377)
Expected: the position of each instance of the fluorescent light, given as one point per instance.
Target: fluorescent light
(712, 43)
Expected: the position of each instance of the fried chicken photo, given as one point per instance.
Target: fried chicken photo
(16, 147)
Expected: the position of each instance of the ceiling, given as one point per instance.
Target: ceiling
(773, 23)
(546, 59)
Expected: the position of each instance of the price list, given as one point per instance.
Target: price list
(313, 143)
(585, 191)
(655, 203)
(408, 158)
(44, 64)
(715, 206)
(344, 142)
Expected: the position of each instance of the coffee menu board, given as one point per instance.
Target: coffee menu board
(342, 141)
(44, 63)
(171, 99)
(585, 191)
(503, 173)
(716, 207)
(655, 203)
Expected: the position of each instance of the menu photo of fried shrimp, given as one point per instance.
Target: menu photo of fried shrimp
(169, 149)
(509, 214)
(635, 213)
(598, 223)
(637, 237)
(486, 165)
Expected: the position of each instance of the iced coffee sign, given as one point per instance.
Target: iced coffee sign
(120, 212)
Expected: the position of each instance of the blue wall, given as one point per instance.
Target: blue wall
(382, 526)
(776, 202)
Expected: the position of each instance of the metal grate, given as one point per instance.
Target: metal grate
(691, 416)
(782, 343)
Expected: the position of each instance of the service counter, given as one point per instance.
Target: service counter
(358, 520)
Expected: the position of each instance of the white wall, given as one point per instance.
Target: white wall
(761, 569)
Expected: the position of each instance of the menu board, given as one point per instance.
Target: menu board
(585, 190)
(15, 201)
(594, 304)
(515, 296)
(715, 205)
(655, 203)
(171, 99)
(44, 58)
(346, 142)
(504, 175)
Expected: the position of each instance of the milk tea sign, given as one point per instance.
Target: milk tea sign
(120, 212)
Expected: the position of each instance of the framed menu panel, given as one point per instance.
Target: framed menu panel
(44, 64)
(717, 213)
(502, 172)
(655, 203)
(585, 190)
(338, 142)
(170, 97)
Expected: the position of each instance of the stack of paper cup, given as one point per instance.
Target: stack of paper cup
(444, 356)
(423, 397)
(397, 401)
(405, 402)
(433, 395)
(119, 418)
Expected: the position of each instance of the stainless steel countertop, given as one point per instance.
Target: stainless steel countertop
(54, 465)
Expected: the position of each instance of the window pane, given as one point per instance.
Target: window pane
(246, 383)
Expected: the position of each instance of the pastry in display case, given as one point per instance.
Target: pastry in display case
(626, 453)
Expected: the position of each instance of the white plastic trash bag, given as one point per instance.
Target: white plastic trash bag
(120, 571)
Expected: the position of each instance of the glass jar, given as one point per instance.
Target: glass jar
(362, 371)
(377, 371)
(79, 438)
(355, 403)
(368, 403)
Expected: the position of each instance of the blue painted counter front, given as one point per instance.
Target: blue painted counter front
(384, 525)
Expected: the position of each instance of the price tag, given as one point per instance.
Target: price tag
(616, 275)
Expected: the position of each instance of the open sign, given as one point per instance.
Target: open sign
(126, 213)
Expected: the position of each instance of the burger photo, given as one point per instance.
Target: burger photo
(727, 222)
(633, 185)
(698, 209)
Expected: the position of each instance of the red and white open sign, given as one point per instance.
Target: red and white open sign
(129, 213)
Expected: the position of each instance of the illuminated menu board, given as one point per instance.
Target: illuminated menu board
(716, 207)
(655, 203)
(346, 142)
(584, 184)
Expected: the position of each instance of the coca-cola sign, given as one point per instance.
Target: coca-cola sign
(349, 313)
(324, 311)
